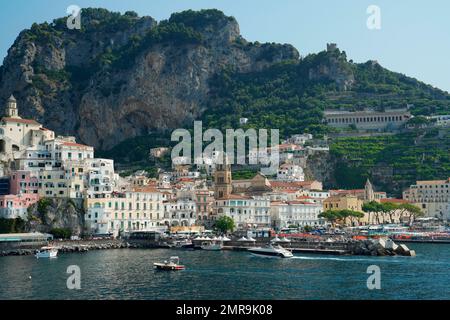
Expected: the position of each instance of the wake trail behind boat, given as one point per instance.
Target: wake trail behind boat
(344, 259)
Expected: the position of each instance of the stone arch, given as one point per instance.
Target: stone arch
(2, 145)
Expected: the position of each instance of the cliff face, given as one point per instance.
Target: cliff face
(122, 76)
(51, 213)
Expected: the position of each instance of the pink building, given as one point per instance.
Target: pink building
(23, 182)
(204, 202)
(15, 205)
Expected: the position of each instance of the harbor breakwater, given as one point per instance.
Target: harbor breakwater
(371, 247)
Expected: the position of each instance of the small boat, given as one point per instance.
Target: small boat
(212, 246)
(271, 251)
(185, 244)
(172, 265)
(47, 252)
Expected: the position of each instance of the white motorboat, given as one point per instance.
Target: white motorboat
(172, 265)
(271, 251)
(212, 246)
(47, 252)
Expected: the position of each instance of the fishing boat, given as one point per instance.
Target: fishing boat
(270, 250)
(47, 252)
(212, 246)
(172, 265)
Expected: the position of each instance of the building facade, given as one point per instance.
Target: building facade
(433, 197)
(139, 210)
(246, 211)
(391, 119)
(295, 213)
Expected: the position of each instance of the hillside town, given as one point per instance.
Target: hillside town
(38, 164)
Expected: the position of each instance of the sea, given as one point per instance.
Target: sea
(129, 274)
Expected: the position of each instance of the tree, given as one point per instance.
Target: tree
(225, 224)
(336, 215)
(61, 233)
(330, 215)
(413, 211)
(373, 207)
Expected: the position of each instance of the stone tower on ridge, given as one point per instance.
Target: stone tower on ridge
(11, 108)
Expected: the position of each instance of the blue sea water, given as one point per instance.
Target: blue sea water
(129, 274)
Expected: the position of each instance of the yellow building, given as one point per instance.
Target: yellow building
(347, 202)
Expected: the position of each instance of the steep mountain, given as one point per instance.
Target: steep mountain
(123, 76)
(123, 82)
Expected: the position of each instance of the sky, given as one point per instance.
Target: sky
(413, 37)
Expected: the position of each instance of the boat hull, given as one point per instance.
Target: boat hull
(47, 254)
(165, 267)
(270, 254)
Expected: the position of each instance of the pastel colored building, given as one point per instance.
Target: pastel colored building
(138, 210)
(246, 211)
(299, 213)
(432, 196)
(15, 205)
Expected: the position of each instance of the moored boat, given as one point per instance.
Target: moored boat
(172, 265)
(47, 252)
(212, 246)
(271, 251)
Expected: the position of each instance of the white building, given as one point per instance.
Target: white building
(368, 119)
(140, 209)
(299, 139)
(298, 213)
(290, 172)
(180, 212)
(101, 178)
(433, 197)
(243, 121)
(441, 120)
(246, 211)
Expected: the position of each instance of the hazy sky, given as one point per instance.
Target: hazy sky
(413, 39)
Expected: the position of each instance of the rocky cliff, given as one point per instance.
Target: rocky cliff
(122, 75)
(56, 213)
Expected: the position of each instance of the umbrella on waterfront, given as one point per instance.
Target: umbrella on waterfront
(243, 239)
(226, 239)
(276, 239)
(284, 239)
(251, 239)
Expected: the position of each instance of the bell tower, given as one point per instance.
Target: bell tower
(222, 180)
(11, 108)
(369, 194)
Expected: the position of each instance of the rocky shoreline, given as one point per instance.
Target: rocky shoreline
(380, 247)
(68, 247)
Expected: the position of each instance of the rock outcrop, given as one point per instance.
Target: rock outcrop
(123, 76)
(56, 213)
(380, 247)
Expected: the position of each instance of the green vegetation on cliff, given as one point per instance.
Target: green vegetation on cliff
(393, 162)
(291, 96)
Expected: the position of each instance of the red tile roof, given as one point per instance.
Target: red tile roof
(233, 196)
(73, 144)
(20, 120)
